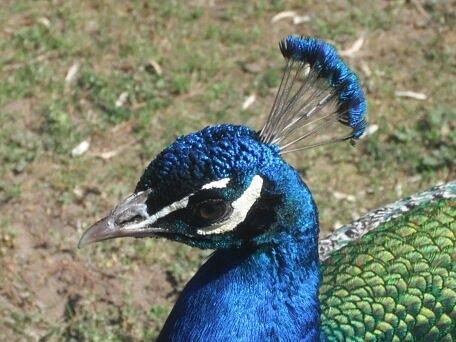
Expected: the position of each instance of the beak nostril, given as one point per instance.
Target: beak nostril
(132, 215)
(133, 219)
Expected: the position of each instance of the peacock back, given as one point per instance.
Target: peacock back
(398, 281)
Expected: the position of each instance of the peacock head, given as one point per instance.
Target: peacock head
(215, 188)
(228, 186)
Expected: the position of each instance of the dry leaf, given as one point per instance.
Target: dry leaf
(71, 73)
(121, 99)
(153, 65)
(398, 189)
(80, 149)
(371, 129)
(300, 19)
(411, 94)
(109, 154)
(283, 15)
(354, 49)
(45, 22)
(248, 101)
(112, 153)
(341, 196)
(365, 68)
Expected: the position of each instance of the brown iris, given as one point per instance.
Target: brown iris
(212, 210)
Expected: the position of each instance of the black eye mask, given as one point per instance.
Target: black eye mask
(206, 207)
(212, 210)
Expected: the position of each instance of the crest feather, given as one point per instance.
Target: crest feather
(317, 91)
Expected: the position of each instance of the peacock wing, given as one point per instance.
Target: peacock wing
(396, 282)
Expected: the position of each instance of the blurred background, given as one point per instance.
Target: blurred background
(91, 91)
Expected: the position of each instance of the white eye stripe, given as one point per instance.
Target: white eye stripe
(180, 204)
(219, 184)
(241, 208)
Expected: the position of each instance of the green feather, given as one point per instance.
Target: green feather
(397, 282)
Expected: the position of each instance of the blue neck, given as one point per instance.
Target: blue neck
(266, 292)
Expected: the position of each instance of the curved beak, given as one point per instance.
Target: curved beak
(128, 219)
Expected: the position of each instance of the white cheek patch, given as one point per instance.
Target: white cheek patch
(241, 207)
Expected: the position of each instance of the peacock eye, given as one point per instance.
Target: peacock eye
(212, 210)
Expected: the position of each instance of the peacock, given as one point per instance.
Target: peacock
(389, 276)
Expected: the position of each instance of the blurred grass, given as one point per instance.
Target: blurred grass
(212, 56)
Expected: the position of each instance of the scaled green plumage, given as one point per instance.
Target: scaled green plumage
(396, 283)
